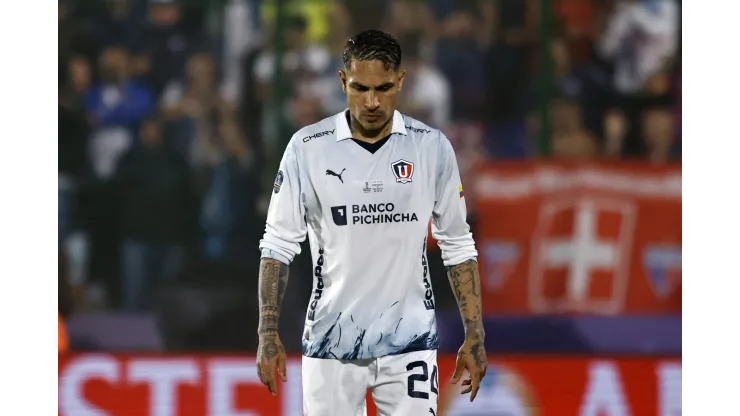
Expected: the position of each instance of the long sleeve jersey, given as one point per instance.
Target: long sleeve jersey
(366, 215)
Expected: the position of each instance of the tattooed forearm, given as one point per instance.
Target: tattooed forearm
(465, 283)
(273, 279)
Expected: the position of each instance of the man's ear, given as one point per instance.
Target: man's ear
(401, 77)
(343, 80)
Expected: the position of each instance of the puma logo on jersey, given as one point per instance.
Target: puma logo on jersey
(432, 412)
(338, 175)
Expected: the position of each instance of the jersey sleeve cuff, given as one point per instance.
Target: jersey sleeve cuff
(275, 253)
(460, 258)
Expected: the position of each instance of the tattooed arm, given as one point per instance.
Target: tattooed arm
(285, 230)
(465, 282)
(273, 280)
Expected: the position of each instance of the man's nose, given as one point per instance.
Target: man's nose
(371, 101)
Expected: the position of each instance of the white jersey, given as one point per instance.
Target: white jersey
(367, 216)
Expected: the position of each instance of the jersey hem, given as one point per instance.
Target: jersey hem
(376, 355)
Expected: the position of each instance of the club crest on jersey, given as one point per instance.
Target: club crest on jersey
(402, 170)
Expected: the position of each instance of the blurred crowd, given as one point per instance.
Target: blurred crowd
(172, 113)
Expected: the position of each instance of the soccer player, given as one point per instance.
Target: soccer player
(363, 185)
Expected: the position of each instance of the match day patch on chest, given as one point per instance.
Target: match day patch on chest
(403, 170)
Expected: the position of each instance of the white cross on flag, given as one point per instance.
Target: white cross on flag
(580, 255)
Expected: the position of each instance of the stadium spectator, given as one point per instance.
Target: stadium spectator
(411, 18)
(461, 58)
(581, 82)
(189, 105)
(156, 199)
(579, 20)
(118, 100)
(569, 136)
(78, 80)
(301, 61)
(167, 40)
(426, 93)
(328, 86)
(302, 65)
(194, 96)
(568, 82)
(640, 38)
(615, 130)
(658, 133)
(115, 107)
(73, 132)
(229, 190)
(120, 22)
(76, 36)
(508, 76)
(240, 35)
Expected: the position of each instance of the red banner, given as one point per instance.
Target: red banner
(119, 385)
(596, 238)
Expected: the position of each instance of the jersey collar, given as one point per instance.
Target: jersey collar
(343, 131)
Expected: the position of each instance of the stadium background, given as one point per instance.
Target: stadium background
(566, 119)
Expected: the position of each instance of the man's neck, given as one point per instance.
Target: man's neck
(369, 136)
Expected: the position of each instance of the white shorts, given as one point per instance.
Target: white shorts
(402, 385)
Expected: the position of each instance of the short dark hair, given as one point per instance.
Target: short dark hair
(373, 45)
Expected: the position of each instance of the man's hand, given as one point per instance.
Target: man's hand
(271, 354)
(471, 357)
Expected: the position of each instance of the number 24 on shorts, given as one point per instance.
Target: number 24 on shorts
(422, 378)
